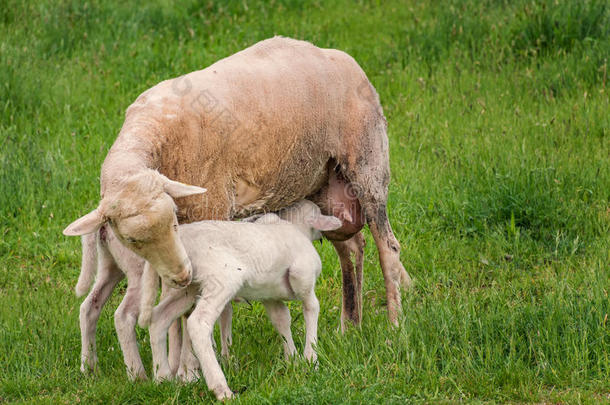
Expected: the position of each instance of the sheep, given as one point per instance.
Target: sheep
(108, 261)
(268, 126)
(270, 260)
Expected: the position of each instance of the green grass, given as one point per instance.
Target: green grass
(499, 122)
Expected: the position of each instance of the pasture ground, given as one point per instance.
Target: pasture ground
(498, 117)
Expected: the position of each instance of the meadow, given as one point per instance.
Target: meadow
(499, 127)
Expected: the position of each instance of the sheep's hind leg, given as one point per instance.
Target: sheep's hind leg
(370, 176)
(394, 273)
(108, 275)
(279, 314)
(351, 257)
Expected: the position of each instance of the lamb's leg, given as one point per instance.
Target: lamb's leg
(125, 319)
(311, 310)
(302, 278)
(108, 275)
(189, 364)
(279, 314)
(351, 257)
(174, 335)
(175, 304)
(200, 324)
(226, 339)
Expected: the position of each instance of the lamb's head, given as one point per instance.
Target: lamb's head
(307, 217)
(269, 218)
(142, 214)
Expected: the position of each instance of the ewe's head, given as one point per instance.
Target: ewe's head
(307, 217)
(142, 213)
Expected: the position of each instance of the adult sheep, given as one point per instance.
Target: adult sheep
(277, 122)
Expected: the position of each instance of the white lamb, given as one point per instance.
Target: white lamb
(270, 260)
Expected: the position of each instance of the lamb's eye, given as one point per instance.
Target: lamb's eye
(176, 227)
(131, 240)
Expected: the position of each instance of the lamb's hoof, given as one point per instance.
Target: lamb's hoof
(224, 393)
(135, 376)
(163, 375)
(187, 376)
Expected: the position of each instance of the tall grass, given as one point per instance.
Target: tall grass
(498, 118)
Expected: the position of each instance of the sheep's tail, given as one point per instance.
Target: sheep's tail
(150, 285)
(88, 267)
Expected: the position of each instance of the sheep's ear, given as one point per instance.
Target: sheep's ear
(85, 224)
(324, 222)
(177, 189)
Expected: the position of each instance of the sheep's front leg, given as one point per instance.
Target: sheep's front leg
(279, 314)
(200, 326)
(311, 310)
(176, 303)
(108, 275)
(125, 319)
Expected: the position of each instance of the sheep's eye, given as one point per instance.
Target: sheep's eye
(131, 240)
(176, 227)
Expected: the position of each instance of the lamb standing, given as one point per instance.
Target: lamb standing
(269, 260)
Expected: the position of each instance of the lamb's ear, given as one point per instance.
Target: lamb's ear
(177, 189)
(85, 224)
(324, 222)
(346, 216)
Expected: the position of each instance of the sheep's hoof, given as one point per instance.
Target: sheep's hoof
(310, 356)
(406, 282)
(89, 366)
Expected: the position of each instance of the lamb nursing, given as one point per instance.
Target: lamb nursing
(270, 260)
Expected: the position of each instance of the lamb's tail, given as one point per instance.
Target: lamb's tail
(88, 267)
(150, 285)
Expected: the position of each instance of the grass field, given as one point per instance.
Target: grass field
(499, 125)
